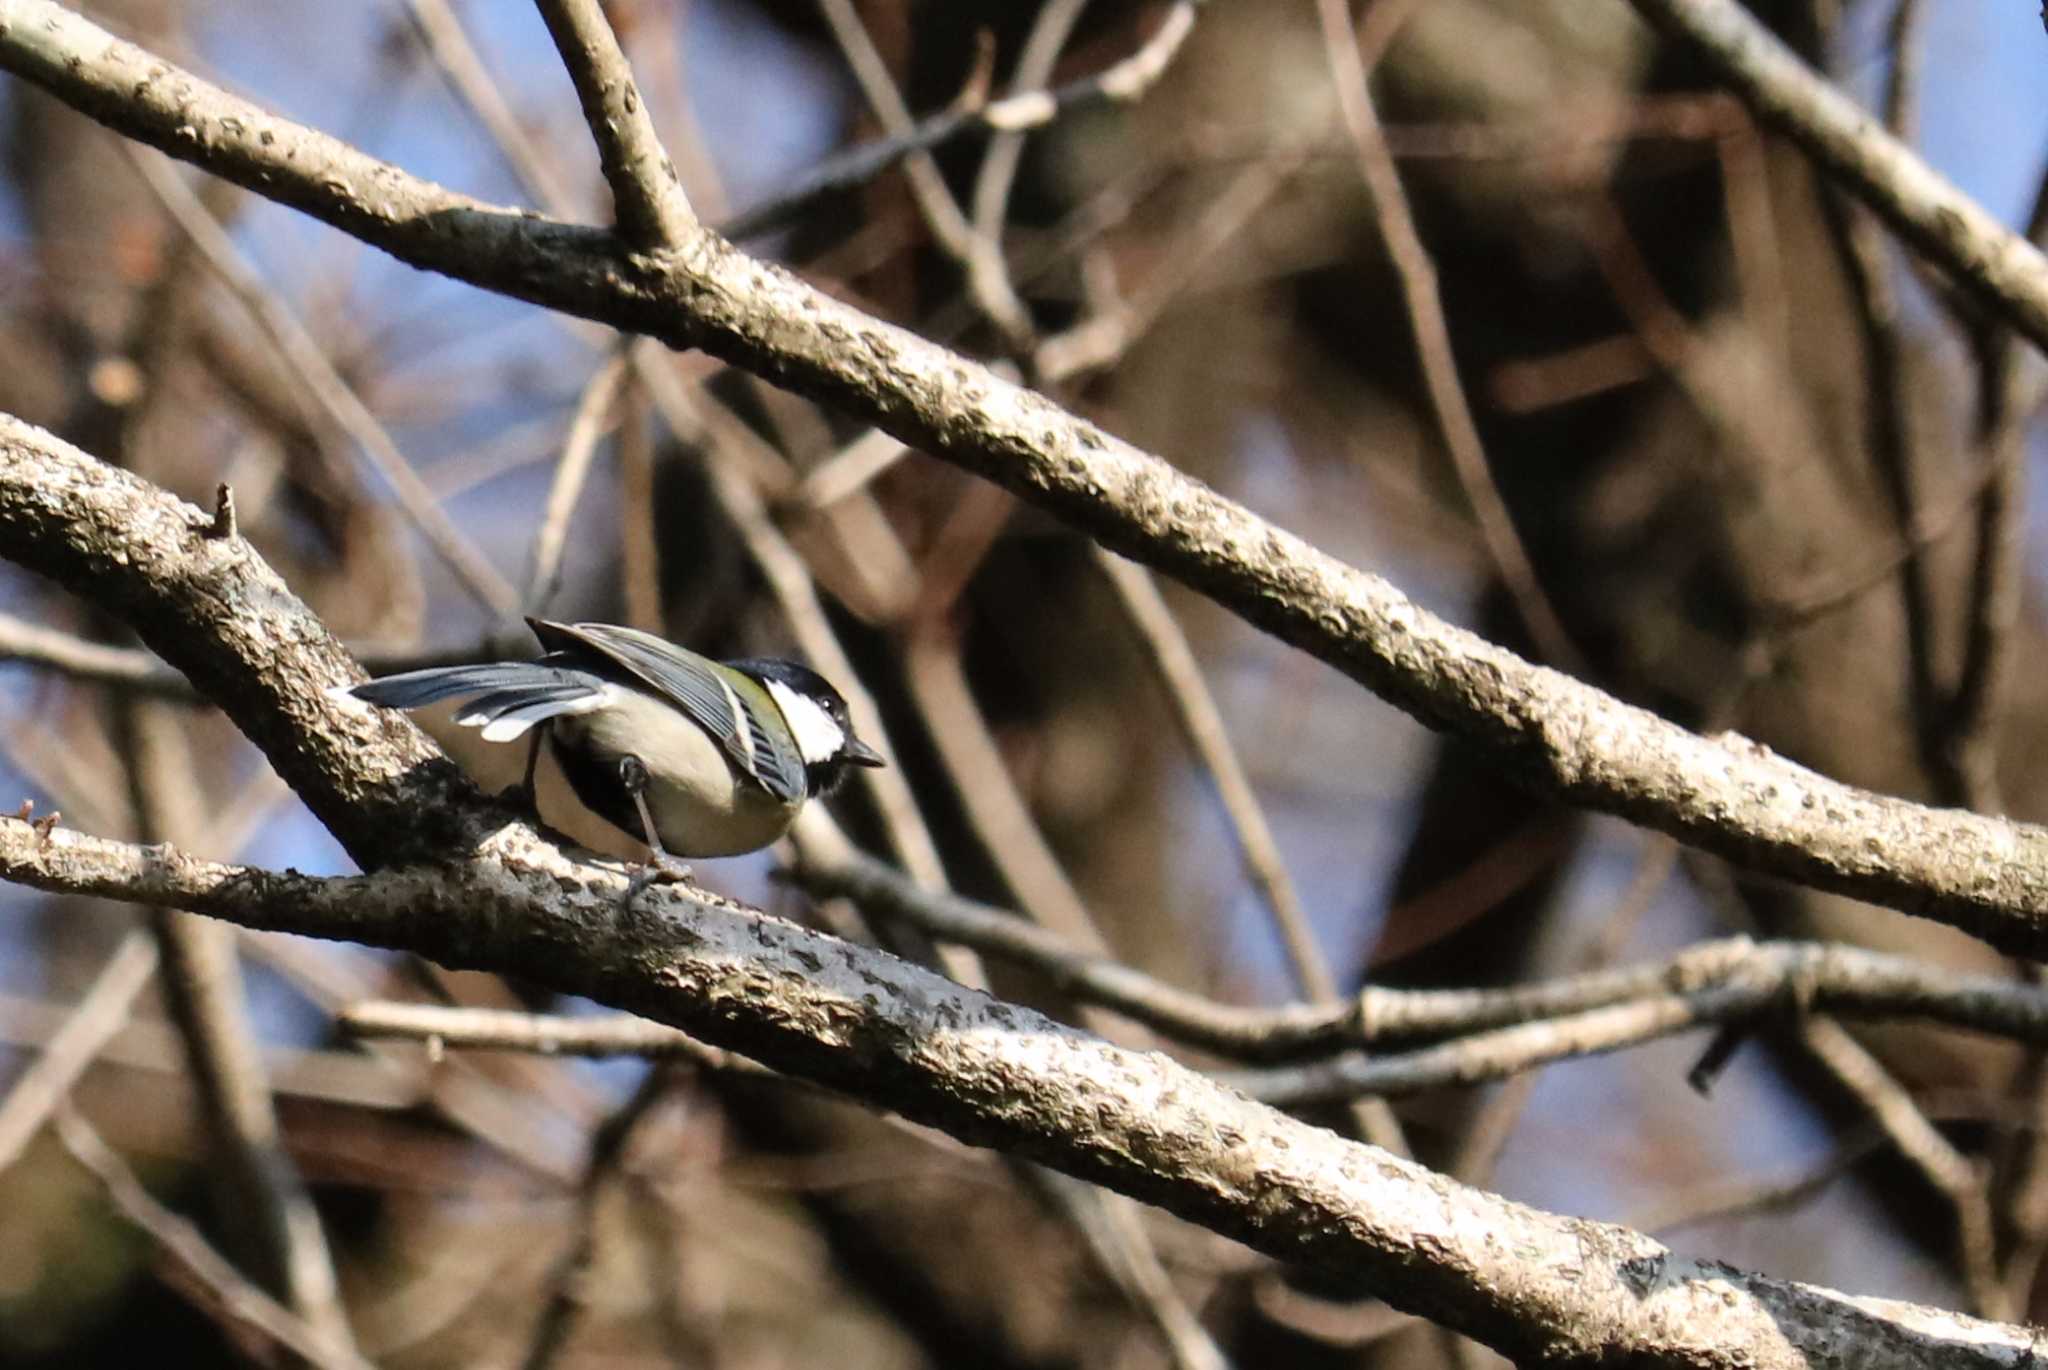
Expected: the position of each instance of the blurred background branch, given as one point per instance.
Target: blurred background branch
(1509, 304)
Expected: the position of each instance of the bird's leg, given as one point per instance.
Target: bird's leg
(633, 775)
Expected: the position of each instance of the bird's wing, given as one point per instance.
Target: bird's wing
(696, 685)
(509, 697)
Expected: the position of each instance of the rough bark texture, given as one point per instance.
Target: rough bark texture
(1726, 795)
(1539, 1288)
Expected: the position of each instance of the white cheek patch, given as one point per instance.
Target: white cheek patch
(817, 736)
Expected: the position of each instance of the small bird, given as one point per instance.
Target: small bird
(689, 756)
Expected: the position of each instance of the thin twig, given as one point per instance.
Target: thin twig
(941, 212)
(652, 210)
(151, 1047)
(273, 1230)
(2011, 381)
(1028, 865)
(988, 274)
(101, 1012)
(537, 1033)
(1890, 430)
(1842, 980)
(447, 43)
(1737, 1196)
(1113, 1229)
(145, 674)
(1024, 109)
(639, 531)
(997, 813)
(234, 1298)
(853, 467)
(568, 1284)
(1432, 333)
(1201, 722)
(1954, 1176)
(98, 662)
(1110, 331)
(1790, 610)
(308, 361)
(579, 448)
(2010, 388)
(1999, 267)
(797, 595)
(1501, 1053)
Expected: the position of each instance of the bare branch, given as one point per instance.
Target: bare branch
(269, 1225)
(646, 193)
(1534, 1286)
(1430, 327)
(236, 1298)
(40, 645)
(988, 283)
(1726, 795)
(303, 354)
(1923, 1146)
(1531, 1285)
(214, 610)
(2005, 272)
(569, 1283)
(540, 1033)
(132, 668)
(579, 448)
(1124, 83)
(1201, 722)
(101, 1012)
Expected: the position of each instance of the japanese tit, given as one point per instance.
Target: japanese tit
(689, 756)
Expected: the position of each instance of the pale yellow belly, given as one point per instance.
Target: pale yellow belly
(706, 809)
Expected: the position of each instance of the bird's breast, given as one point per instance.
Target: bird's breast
(701, 805)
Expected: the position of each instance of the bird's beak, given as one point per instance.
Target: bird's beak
(860, 753)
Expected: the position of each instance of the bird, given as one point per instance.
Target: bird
(690, 757)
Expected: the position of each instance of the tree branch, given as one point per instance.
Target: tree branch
(1123, 83)
(213, 609)
(1532, 1285)
(2005, 272)
(648, 197)
(238, 1301)
(1726, 795)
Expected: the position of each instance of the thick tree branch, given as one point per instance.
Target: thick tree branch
(212, 608)
(1725, 795)
(1535, 1286)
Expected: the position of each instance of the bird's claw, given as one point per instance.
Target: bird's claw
(663, 869)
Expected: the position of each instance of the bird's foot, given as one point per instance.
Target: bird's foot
(663, 870)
